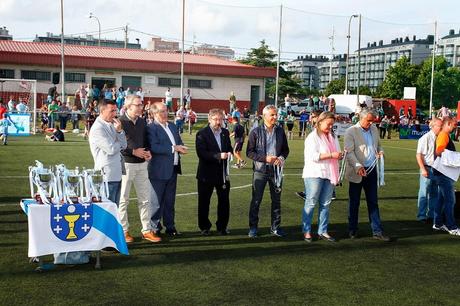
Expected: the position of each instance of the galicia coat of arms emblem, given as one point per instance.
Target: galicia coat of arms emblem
(71, 222)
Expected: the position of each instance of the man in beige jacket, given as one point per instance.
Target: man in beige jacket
(363, 148)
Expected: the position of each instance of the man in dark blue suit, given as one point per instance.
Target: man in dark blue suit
(214, 150)
(165, 145)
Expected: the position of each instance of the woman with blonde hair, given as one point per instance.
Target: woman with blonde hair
(320, 174)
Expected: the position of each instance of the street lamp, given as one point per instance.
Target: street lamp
(99, 24)
(348, 53)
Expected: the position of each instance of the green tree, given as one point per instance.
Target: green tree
(402, 74)
(335, 87)
(260, 57)
(446, 83)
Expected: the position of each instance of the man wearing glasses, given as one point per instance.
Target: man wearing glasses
(136, 157)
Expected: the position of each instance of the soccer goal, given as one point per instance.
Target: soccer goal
(24, 116)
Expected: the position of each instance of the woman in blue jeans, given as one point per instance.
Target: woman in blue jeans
(320, 174)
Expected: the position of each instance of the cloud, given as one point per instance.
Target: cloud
(207, 20)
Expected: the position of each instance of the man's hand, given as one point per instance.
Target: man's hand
(424, 172)
(362, 171)
(117, 125)
(279, 162)
(181, 149)
(225, 155)
(271, 159)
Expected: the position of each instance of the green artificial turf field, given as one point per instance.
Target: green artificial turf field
(420, 267)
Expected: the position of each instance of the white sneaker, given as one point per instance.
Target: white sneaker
(455, 232)
(440, 228)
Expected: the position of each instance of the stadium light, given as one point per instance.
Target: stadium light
(91, 15)
(348, 54)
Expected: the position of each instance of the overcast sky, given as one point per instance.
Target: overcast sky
(240, 24)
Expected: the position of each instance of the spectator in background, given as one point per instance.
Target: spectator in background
(169, 100)
(444, 112)
(44, 117)
(120, 97)
(52, 94)
(22, 107)
(96, 93)
(90, 117)
(303, 119)
(290, 120)
(188, 98)
(383, 126)
(11, 105)
(83, 95)
(180, 119)
(236, 114)
(238, 135)
(191, 119)
(141, 94)
(232, 102)
(75, 117)
(287, 103)
(57, 135)
(332, 105)
(53, 109)
(64, 113)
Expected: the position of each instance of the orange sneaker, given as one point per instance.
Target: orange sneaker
(128, 238)
(151, 236)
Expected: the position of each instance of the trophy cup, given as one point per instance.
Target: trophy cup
(44, 181)
(70, 184)
(96, 186)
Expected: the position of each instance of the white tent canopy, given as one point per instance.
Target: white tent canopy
(346, 104)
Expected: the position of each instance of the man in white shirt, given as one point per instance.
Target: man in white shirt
(106, 140)
(169, 99)
(427, 194)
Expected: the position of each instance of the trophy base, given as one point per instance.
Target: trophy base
(39, 199)
(95, 200)
(74, 200)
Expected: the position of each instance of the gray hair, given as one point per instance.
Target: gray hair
(366, 111)
(269, 108)
(130, 99)
(215, 111)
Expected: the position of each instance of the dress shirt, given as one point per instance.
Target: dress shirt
(370, 148)
(173, 141)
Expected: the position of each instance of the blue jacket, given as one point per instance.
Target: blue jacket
(161, 166)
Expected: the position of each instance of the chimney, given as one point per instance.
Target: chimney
(380, 42)
(368, 44)
(406, 39)
(414, 38)
(451, 32)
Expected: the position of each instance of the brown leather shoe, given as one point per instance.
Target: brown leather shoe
(151, 236)
(128, 238)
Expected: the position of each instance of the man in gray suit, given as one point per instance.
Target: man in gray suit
(165, 145)
(362, 144)
(106, 140)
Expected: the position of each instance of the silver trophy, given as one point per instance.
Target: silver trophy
(70, 184)
(96, 186)
(43, 187)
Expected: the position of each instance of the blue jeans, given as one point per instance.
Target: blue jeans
(114, 192)
(427, 196)
(369, 184)
(317, 190)
(446, 202)
(259, 181)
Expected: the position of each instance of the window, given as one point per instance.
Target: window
(36, 75)
(133, 82)
(168, 82)
(7, 73)
(75, 77)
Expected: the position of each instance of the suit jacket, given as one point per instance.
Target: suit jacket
(210, 167)
(106, 145)
(257, 146)
(161, 166)
(355, 145)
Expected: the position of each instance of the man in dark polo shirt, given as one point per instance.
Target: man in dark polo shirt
(136, 157)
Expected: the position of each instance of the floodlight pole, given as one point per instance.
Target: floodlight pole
(432, 66)
(348, 54)
(182, 56)
(279, 57)
(62, 55)
(91, 15)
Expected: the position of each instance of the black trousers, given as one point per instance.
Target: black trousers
(205, 190)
